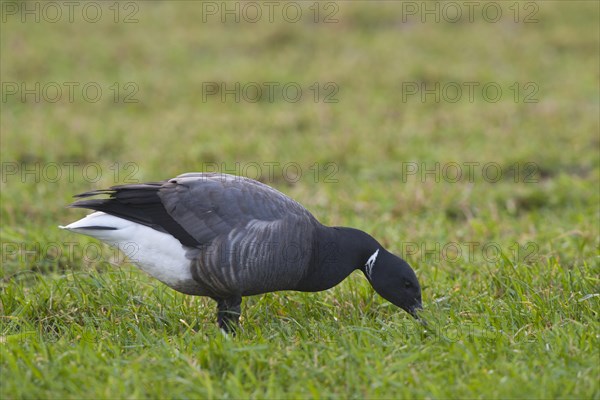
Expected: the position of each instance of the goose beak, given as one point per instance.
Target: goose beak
(414, 311)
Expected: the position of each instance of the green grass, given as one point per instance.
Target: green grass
(78, 321)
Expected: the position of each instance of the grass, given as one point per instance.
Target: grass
(519, 319)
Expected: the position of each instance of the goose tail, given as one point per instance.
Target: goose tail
(99, 225)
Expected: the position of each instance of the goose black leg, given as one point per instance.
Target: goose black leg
(228, 314)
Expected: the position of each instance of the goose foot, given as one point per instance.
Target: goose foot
(228, 314)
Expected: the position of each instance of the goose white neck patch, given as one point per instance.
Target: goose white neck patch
(370, 263)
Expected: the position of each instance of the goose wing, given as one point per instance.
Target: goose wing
(196, 207)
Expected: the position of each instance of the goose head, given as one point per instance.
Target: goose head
(394, 280)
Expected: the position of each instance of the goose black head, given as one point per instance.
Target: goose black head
(394, 280)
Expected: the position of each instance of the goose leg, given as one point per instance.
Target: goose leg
(228, 314)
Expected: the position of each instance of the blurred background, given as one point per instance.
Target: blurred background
(344, 106)
(423, 123)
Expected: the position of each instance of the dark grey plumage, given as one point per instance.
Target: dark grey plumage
(244, 238)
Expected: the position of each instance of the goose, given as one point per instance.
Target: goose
(226, 237)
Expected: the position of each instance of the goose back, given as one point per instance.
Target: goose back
(242, 237)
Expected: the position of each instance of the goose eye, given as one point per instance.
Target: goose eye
(407, 284)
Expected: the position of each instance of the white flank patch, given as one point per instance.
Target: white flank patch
(156, 253)
(370, 263)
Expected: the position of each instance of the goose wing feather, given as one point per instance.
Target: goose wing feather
(196, 207)
(210, 205)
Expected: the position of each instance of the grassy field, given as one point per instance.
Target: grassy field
(468, 146)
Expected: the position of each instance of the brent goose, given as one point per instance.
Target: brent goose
(225, 236)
